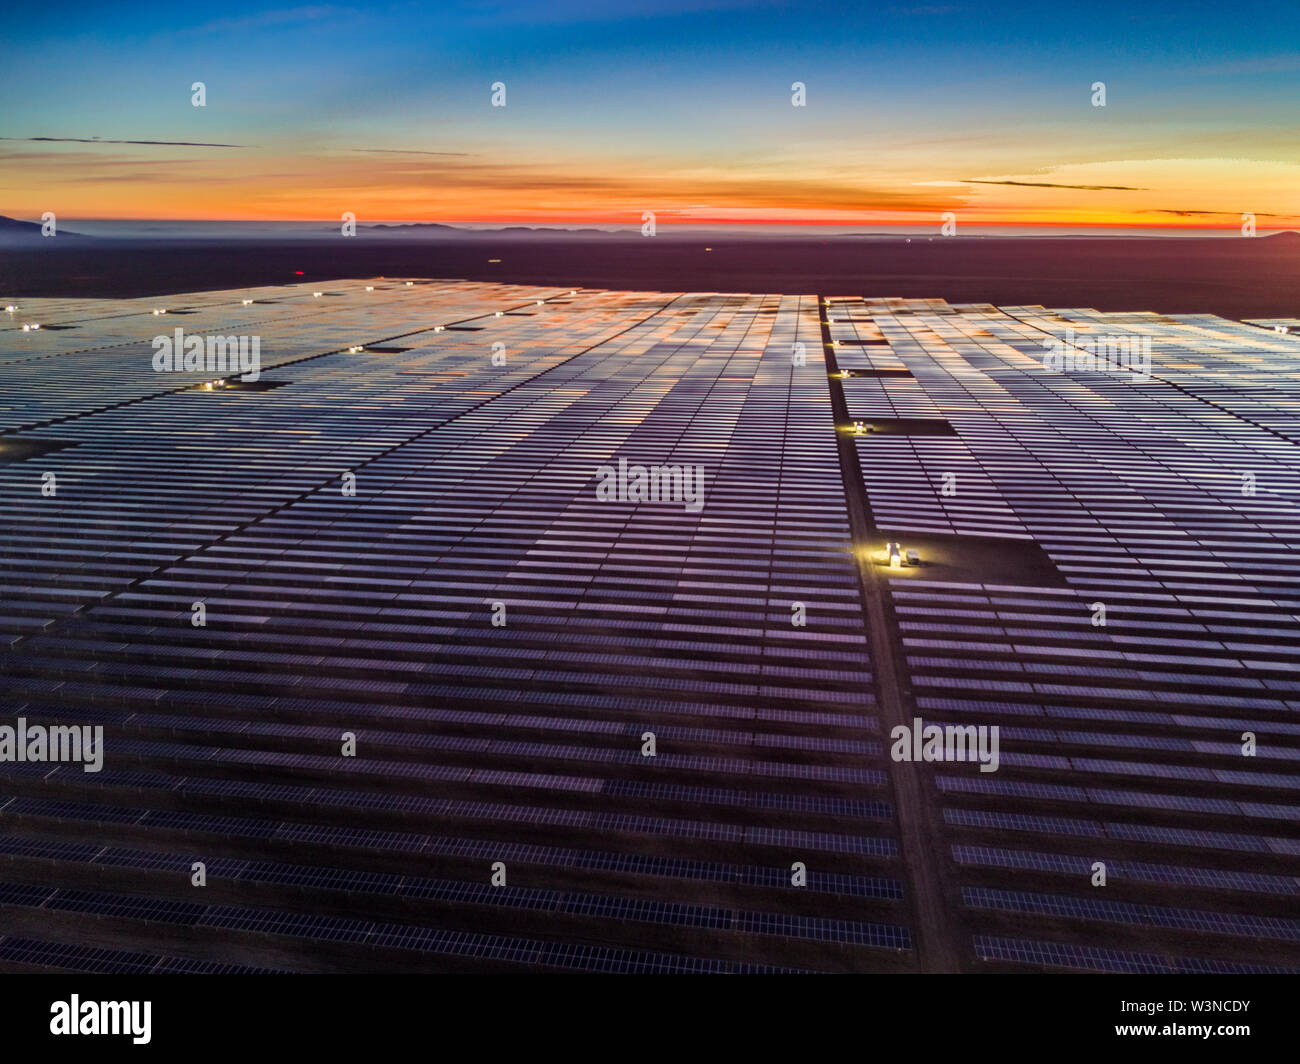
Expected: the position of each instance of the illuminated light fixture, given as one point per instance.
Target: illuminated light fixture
(221, 383)
(409, 283)
(858, 428)
(437, 328)
(317, 295)
(493, 260)
(573, 293)
(246, 302)
(11, 308)
(207, 386)
(708, 249)
(157, 312)
(498, 314)
(31, 327)
(895, 556)
(370, 288)
(354, 350)
(540, 302)
(830, 321)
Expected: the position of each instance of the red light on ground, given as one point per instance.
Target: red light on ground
(299, 273)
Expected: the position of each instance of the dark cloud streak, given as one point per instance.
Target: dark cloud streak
(1218, 214)
(412, 151)
(97, 140)
(1049, 184)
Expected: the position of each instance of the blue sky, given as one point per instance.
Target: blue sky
(901, 98)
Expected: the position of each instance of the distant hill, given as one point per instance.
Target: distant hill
(404, 226)
(437, 228)
(1288, 236)
(550, 229)
(13, 231)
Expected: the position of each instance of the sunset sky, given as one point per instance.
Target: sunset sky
(683, 109)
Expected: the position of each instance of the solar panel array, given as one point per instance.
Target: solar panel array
(496, 638)
(1127, 677)
(410, 731)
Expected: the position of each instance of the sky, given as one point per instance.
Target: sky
(680, 109)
